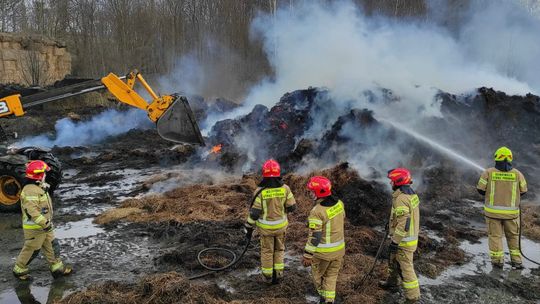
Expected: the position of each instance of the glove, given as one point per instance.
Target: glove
(248, 230)
(306, 261)
(392, 248)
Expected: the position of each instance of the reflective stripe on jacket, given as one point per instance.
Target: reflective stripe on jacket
(329, 221)
(272, 203)
(36, 207)
(503, 191)
(405, 219)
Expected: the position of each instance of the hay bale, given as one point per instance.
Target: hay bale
(115, 215)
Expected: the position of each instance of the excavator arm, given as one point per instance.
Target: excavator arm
(172, 114)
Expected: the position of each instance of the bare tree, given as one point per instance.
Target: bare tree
(35, 69)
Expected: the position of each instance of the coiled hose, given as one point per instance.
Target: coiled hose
(520, 250)
(235, 259)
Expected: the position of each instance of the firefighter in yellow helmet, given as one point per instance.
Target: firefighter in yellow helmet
(325, 246)
(404, 226)
(502, 187)
(37, 214)
(273, 201)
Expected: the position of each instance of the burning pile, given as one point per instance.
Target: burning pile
(200, 216)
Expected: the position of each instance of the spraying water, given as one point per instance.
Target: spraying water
(433, 144)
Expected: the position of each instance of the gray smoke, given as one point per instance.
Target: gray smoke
(337, 46)
(360, 59)
(95, 130)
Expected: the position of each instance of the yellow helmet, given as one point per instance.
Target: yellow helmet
(502, 154)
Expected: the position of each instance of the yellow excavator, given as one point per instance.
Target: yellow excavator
(172, 115)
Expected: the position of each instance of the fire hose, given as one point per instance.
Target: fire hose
(235, 258)
(377, 256)
(520, 249)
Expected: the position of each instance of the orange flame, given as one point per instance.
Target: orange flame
(216, 149)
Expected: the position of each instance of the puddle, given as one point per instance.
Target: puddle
(25, 295)
(481, 262)
(79, 229)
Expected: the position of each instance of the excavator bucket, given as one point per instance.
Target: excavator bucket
(178, 123)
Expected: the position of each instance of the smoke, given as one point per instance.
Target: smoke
(97, 129)
(396, 69)
(338, 47)
(214, 73)
(505, 36)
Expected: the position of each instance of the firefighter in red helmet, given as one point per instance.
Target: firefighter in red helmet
(404, 225)
(325, 247)
(37, 215)
(273, 201)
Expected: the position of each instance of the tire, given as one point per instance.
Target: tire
(11, 181)
(12, 177)
(54, 176)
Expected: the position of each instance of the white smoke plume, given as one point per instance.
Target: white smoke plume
(337, 46)
(95, 130)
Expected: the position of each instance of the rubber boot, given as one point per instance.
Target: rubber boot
(411, 301)
(517, 266)
(23, 277)
(497, 265)
(67, 270)
(388, 285)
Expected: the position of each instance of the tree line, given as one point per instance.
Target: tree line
(118, 35)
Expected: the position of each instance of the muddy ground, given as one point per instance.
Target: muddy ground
(133, 213)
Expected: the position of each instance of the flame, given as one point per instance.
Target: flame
(216, 149)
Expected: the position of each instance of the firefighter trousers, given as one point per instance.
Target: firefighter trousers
(401, 266)
(325, 274)
(510, 228)
(34, 241)
(272, 253)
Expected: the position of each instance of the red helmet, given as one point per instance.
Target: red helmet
(320, 185)
(35, 169)
(400, 176)
(271, 169)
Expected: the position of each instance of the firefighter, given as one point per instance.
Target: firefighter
(502, 187)
(273, 200)
(404, 225)
(37, 214)
(325, 246)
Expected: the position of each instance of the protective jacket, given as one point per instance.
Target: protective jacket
(36, 205)
(405, 219)
(37, 213)
(502, 192)
(326, 223)
(269, 211)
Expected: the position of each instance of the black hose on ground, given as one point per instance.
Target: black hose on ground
(377, 256)
(520, 250)
(235, 258)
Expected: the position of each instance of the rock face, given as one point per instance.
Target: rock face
(32, 60)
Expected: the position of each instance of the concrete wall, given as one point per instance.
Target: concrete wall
(32, 60)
